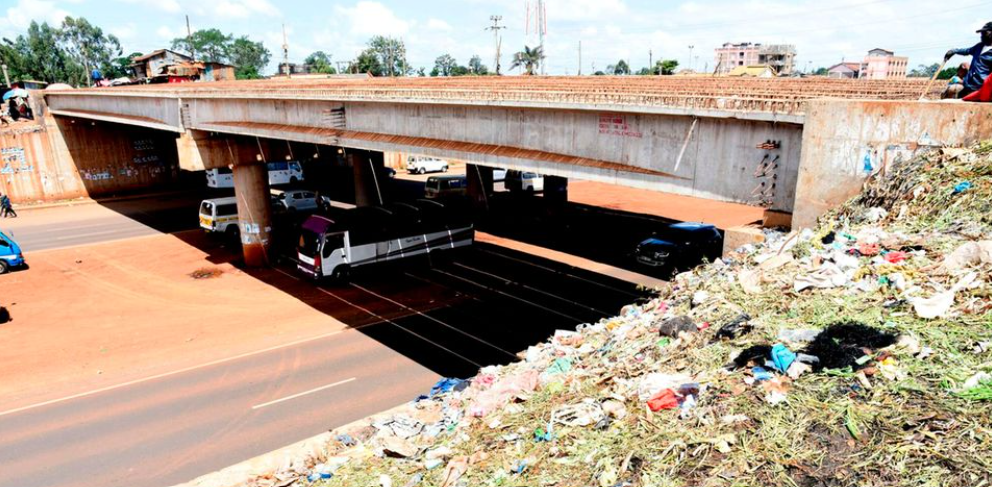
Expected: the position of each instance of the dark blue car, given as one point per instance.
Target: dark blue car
(680, 246)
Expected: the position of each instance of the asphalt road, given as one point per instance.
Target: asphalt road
(410, 323)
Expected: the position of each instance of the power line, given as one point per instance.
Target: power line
(499, 40)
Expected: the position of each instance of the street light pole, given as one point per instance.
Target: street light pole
(691, 47)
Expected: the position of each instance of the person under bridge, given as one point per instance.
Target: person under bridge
(981, 61)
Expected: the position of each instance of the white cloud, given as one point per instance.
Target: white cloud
(166, 33)
(170, 6)
(240, 9)
(124, 32)
(373, 18)
(19, 17)
(438, 24)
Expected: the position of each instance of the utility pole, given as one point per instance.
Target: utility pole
(541, 22)
(285, 52)
(650, 59)
(496, 37)
(6, 77)
(340, 64)
(691, 47)
(580, 58)
(189, 40)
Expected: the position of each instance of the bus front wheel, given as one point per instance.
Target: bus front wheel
(342, 273)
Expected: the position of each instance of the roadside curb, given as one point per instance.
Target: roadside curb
(311, 450)
(91, 201)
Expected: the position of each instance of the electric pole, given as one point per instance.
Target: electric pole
(6, 77)
(285, 53)
(541, 22)
(650, 59)
(496, 37)
(691, 47)
(189, 40)
(580, 58)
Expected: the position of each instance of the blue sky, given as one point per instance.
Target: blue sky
(823, 32)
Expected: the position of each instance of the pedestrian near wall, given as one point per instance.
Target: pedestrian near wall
(6, 208)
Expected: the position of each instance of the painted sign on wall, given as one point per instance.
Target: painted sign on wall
(12, 161)
(616, 124)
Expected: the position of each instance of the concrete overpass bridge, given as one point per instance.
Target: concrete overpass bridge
(795, 146)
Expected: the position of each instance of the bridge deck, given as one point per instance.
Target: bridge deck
(776, 95)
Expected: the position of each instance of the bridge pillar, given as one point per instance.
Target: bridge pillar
(480, 186)
(251, 187)
(370, 186)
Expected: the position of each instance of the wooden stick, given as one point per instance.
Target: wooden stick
(932, 79)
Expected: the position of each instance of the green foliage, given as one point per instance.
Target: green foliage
(248, 57)
(476, 67)
(444, 65)
(320, 62)
(621, 68)
(529, 59)
(821, 72)
(924, 71)
(88, 47)
(210, 45)
(662, 67)
(948, 73)
(384, 56)
(64, 54)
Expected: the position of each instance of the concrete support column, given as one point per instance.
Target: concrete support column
(556, 190)
(480, 186)
(370, 188)
(251, 187)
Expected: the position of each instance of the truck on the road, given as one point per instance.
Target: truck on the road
(10, 254)
(335, 244)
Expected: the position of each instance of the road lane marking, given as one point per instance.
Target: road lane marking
(397, 325)
(168, 374)
(497, 291)
(311, 391)
(525, 286)
(469, 335)
(555, 271)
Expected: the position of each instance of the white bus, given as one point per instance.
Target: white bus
(280, 172)
(333, 245)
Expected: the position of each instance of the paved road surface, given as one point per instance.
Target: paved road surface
(411, 323)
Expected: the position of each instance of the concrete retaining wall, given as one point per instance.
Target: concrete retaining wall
(62, 158)
(845, 141)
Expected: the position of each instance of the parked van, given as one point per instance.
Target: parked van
(280, 172)
(424, 165)
(220, 215)
(295, 200)
(438, 187)
(529, 182)
(10, 254)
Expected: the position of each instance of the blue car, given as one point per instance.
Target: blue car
(10, 254)
(680, 246)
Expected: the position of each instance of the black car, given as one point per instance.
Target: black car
(680, 246)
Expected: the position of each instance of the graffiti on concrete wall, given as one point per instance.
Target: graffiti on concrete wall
(12, 161)
(617, 124)
(146, 151)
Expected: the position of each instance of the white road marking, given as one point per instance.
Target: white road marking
(397, 325)
(525, 286)
(553, 271)
(75, 236)
(497, 291)
(469, 335)
(311, 391)
(168, 374)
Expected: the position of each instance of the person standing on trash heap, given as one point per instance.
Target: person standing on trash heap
(981, 61)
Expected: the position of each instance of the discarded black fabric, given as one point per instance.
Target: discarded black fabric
(4, 315)
(739, 326)
(829, 238)
(757, 354)
(841, 345)
(672, 326)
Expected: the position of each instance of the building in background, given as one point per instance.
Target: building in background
(780, 57)
(756, 71)
(844, 70)
(156, 63)
(883, 64)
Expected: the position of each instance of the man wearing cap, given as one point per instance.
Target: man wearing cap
(981, 61)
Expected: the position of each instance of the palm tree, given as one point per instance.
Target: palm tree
(529, 59)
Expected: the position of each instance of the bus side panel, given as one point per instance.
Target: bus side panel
(363, 254)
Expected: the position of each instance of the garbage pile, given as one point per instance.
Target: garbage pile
(859, 353)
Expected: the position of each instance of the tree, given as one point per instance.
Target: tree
(529, 59)
(389, 57)
(948, 73)
(821, 72)
(248, 57)
(924, 71)
(476, 67)
(121, 66)
(39, 56)
(666, 67)
(422, 72)
(319, 62)
(209, 45)
(444, 65)
(88, 47)
(366, 62)
(618, 69)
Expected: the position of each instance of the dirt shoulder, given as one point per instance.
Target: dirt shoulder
(99, 315)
